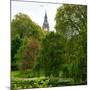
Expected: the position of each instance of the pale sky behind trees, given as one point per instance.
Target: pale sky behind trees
(36, 11)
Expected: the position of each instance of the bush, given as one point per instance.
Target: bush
(39, 83)
(33, 83)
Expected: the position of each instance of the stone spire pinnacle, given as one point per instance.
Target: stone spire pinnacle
(45, 15)
(45, 23)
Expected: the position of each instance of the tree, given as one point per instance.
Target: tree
(71, 19)
(27, 54)
(71, 22)
(22, 25)
(51, 54)
(15, 45)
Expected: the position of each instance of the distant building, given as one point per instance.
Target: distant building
(45, 23)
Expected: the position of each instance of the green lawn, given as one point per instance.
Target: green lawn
(38, 82)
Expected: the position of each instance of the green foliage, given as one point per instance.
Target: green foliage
(27, 53)
(60, 57)
(51, 54)
(71, 19)
(79, 63)
(39, 83)
(25, 84)
(15, 45)
(71, 22)
(22, 25)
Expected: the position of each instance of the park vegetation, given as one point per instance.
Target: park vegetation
(50, 59)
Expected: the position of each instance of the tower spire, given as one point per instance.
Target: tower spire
(45, 23)
(45, 14)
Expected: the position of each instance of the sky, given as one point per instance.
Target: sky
(36, 11)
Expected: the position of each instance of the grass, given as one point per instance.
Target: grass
(15, 74)
(26, 81)
(37, 82)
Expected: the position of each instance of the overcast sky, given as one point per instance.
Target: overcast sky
(36, 11)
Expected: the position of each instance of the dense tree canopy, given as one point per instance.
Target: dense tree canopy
(24, 26)
(27, 54)
(15, 45)
(61, 56)
(51, 58)
(71, 22)
(71, 19)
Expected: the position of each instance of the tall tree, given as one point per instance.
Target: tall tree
(71, 22)
(71, 19)
(24, 26)
(21, 27)
(51, 54)
(27, 54)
